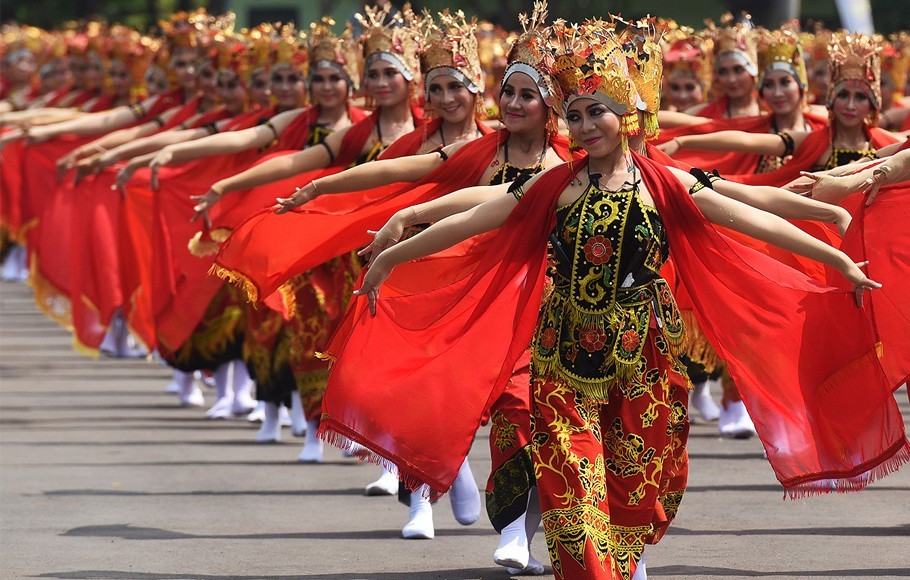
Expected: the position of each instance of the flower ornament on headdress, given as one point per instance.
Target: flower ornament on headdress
(532, 54)
(232, 53)
(450, 48)
(590, 63)
(394, 42)
(736, 40)
(184, 30)
(641, 44)
(782, 50)
(855, 57)
(339, 53)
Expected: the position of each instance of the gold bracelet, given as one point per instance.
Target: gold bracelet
(315, 189)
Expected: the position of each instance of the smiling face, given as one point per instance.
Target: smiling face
(781, 92)
(593, 126)
(328, 87)
(733, 78)
(450, 98)
(521, 105)
(683, 90)
(385, 84)
(287, 85)
(183, 65)
(852, 104)
(260, 94)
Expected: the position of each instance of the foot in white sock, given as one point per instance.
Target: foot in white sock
(173, 387)
(312, 447)
(464, 496)
(270, 432)
(703, 402)
(257, 414)
(513, 550)
(387, 484)
(641, 573)
(190, 393)
(243, 385)
(298, 419)
(534, 568)
(224, 394)
(283, 416)
(735, 421)
(420, 524)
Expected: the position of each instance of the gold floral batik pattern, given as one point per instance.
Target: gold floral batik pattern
(609, 393)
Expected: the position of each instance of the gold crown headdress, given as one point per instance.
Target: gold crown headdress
(641, 44)
(232, 53)
(391, 39)
(340, 53)
(184, 30)
(782, 50)
(737, 40)
(855, 57)
(896, 59)
(291, 49)
(688, 52)
(590, 63)
(450, 48)
(263, 41)
(532, 53)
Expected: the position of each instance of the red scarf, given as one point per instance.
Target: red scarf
(821, 402)
(729, 161)
(332, 225)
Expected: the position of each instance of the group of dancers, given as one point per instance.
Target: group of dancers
(389, 240)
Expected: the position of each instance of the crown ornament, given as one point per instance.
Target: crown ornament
(855, 57)
(449, 47)
(531, 52)
(590, 62)
(688, 53)
(391, 39)
(781, 49)
(641, 42)
(896, 59)
(340, 53)
(737, 40)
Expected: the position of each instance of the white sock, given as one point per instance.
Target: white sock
(312, 447)
(271, 425)
(420, 524)
(534, 568)
(257, 414)
(190, 393)
(513, 550)
(299, 423)
(387, 484)
(224, 394)
(640, 572)
(243, 385)
(464, 496)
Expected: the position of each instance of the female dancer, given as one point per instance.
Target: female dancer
(853, 103)
(609, 398)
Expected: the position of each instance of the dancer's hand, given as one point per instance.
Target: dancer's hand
(204, 203)
(872, 185)
(300, 196)
(671, 147)
(386, 237)
(163, 158)
(377, 273)
(860, 281)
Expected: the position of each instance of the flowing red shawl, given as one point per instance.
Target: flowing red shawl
(332, 225)
(807, 367)
(136, 239)
(729, 161)
(95, 286)
(182, 287)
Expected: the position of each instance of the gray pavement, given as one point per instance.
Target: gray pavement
(102, 475)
